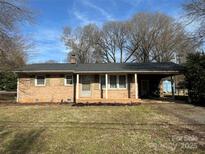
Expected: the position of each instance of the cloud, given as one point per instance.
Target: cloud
(87, 12)
(101, 10)
(84, 20)
(133, 3)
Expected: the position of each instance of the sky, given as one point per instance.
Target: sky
(52, 15)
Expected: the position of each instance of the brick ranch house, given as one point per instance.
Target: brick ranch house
(92, 83)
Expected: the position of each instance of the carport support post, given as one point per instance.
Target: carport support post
(77, 85)
(172, 85)
(106, 85)
(136, 86)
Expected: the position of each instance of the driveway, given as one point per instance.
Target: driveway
(189, 118)
(187, 112)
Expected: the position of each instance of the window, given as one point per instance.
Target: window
(68, 79)
(40, 81)
(102, 81)
(122, 81)
(118, 81)
(113, 81)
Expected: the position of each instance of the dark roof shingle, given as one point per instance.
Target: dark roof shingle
(101, 67)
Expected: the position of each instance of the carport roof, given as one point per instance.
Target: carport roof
(101, 67)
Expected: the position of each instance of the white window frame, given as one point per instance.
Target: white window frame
(65, 80)
(109, 81)
(117, 81)
(41, 85)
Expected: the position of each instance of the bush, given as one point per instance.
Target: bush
(195, 77)
(8, 81)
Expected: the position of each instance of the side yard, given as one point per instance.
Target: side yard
(7, 96)
(158, 128)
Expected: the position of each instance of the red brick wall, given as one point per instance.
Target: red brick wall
(53, 91)
(56, 91)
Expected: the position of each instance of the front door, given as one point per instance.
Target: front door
(144, 88)
(86, 86)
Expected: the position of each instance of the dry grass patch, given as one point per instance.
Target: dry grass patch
(90, 129)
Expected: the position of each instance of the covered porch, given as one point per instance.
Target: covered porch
(117, 87)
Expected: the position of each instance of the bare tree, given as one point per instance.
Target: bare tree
(112, 41)
(116, 42)
(14, 54)
(80, 42)
(12, 45)
(146, 37)
(92, 44)
(195, 11)
(143, 33)
(107, 42)
(158, 38)
(171, 40)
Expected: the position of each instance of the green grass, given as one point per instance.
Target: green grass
(90, 129)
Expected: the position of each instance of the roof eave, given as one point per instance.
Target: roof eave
(46, 71)
(92, 72)
(139, 72)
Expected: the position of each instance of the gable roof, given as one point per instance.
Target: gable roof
(102, 67)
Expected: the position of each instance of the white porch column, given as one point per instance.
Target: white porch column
(106, 85)
(77, 85)
(17, 95)
(136, 87)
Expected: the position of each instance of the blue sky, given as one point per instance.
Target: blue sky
(52, 15)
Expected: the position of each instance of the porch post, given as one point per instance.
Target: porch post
(161, 94)
(172, 85)
(106, 85)
(17, 93)
(136, 87)
(77, 85)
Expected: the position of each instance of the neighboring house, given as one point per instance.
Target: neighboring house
(92, 83)
(167, 86)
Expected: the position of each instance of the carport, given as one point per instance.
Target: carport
(151, 85)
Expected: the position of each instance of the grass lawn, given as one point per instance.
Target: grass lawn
(95, 129)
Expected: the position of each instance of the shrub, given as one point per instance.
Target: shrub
(195, 77)
(8, 81)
